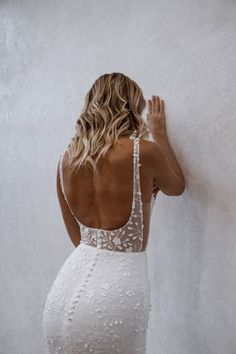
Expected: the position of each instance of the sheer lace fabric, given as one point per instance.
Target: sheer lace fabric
(100, 300)
(99, 303)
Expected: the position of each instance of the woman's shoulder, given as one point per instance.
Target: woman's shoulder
(147, 145)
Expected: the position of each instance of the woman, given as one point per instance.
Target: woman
(107, 182)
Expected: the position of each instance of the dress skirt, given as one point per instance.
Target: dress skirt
(99, 303)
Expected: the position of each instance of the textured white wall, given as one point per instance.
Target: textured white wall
(184, 51)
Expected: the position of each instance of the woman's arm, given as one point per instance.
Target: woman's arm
(163, 142)
(168, 171)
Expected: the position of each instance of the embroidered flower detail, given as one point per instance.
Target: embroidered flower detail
(106, 285)
(116, 241)
(129, 249)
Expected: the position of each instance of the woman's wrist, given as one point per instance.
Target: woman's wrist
(160, 136)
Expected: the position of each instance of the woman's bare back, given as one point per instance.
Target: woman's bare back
(104, 201)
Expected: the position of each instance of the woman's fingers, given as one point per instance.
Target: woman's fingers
(156, 116)
(162, 107)
(149, 107)
(155, 105)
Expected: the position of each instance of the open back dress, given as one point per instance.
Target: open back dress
(100, 300)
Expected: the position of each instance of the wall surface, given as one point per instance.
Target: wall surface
(184, 51)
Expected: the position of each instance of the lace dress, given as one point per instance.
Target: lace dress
(100, 300)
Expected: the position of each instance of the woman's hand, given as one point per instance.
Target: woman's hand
(156, 117)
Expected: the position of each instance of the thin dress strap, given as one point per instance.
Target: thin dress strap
(138, 205)
(62, 183)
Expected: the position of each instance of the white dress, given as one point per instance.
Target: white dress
(100, 300)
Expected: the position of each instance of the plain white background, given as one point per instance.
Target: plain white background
(184, 51)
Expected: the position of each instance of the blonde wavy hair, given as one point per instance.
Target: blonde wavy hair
(113, 108)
